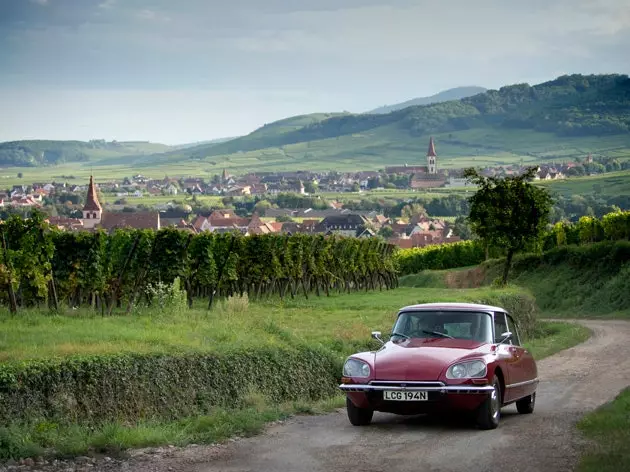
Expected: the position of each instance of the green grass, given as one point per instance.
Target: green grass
(52, 439)
(610, 184)
(553, 336)
(609, 429)
(339, 322)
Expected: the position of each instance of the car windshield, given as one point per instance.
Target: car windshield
(469, 325)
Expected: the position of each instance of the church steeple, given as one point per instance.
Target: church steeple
(92, 210)
(431, 157)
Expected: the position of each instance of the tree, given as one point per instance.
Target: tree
(20, 175)
(508, 212)
(355, 187)
(310, 186)
(386, 232)
(462, 229)
(413, 209)
(262, 206)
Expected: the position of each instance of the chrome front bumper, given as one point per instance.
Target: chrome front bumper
(417, 387)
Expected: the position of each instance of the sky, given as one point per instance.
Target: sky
(181, 71)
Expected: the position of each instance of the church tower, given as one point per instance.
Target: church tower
(431, 158)
(92, 210)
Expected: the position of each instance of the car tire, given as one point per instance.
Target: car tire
(358, 416)
(526, 405)
(489, 412)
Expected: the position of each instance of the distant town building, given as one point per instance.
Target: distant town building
(95, 218)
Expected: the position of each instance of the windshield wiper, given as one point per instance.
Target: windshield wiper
(437, 333)
(401, 335)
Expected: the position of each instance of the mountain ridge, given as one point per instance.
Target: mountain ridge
(456, 93)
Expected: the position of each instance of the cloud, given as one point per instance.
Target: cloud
(362, 52)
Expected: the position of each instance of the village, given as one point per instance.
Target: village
(417, 230)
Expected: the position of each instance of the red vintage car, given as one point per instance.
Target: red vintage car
(443, 357)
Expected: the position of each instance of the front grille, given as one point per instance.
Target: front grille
(400, 383)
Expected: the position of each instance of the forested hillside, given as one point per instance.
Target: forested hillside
(40, 152)
(447, 95)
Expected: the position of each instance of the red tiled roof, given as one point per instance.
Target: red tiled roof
(136, 220)
(198, 223)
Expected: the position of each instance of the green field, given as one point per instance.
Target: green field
(339, 322)
(610, 184)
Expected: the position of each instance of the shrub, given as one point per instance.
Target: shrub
(133, 387)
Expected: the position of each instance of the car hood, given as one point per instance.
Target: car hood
(422, 359)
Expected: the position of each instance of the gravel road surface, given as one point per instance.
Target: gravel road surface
(573, 382)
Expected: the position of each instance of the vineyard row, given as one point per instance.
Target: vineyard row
(117, 271)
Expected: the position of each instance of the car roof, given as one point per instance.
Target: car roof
(452, 307)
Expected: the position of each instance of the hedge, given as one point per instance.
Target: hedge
(167, 386)
(611, 227)
(439, 257)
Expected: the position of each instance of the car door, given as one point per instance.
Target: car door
(508, 357)
(524, 364)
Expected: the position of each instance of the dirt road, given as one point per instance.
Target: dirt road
(572, 382)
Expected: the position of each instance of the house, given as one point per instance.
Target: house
(258, 189)
(95, 218)
(345, 225)
(171, 189)
(221, 221)
(238, 190)
(194, 190)
(66, 224)
(257, 226)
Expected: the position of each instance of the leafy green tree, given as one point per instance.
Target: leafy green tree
(508, 212)
(20, 175)
(262, 206)
(413, 209)
(386, 232)
(310, 187)
(462, 229)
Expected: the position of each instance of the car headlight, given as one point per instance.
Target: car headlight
(356, 368)
(467, 370)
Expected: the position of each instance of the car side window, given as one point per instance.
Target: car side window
(500, 326)
(512, 328)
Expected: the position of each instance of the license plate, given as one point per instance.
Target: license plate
(403, 396)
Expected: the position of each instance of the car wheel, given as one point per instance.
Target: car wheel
(526, 405)
(489, 412)
(358, 416)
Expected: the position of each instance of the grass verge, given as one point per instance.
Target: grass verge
(52, 439)
(609, 429)
(551, 337)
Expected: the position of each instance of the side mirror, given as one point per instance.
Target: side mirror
(377, 335)
(505, 337)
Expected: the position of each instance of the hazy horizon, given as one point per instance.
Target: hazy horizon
(175, 73)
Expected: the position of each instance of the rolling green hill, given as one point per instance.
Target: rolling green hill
(559, 120)
(40, 152)
(445, 96)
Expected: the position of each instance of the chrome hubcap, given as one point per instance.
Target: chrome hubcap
(494, 403)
